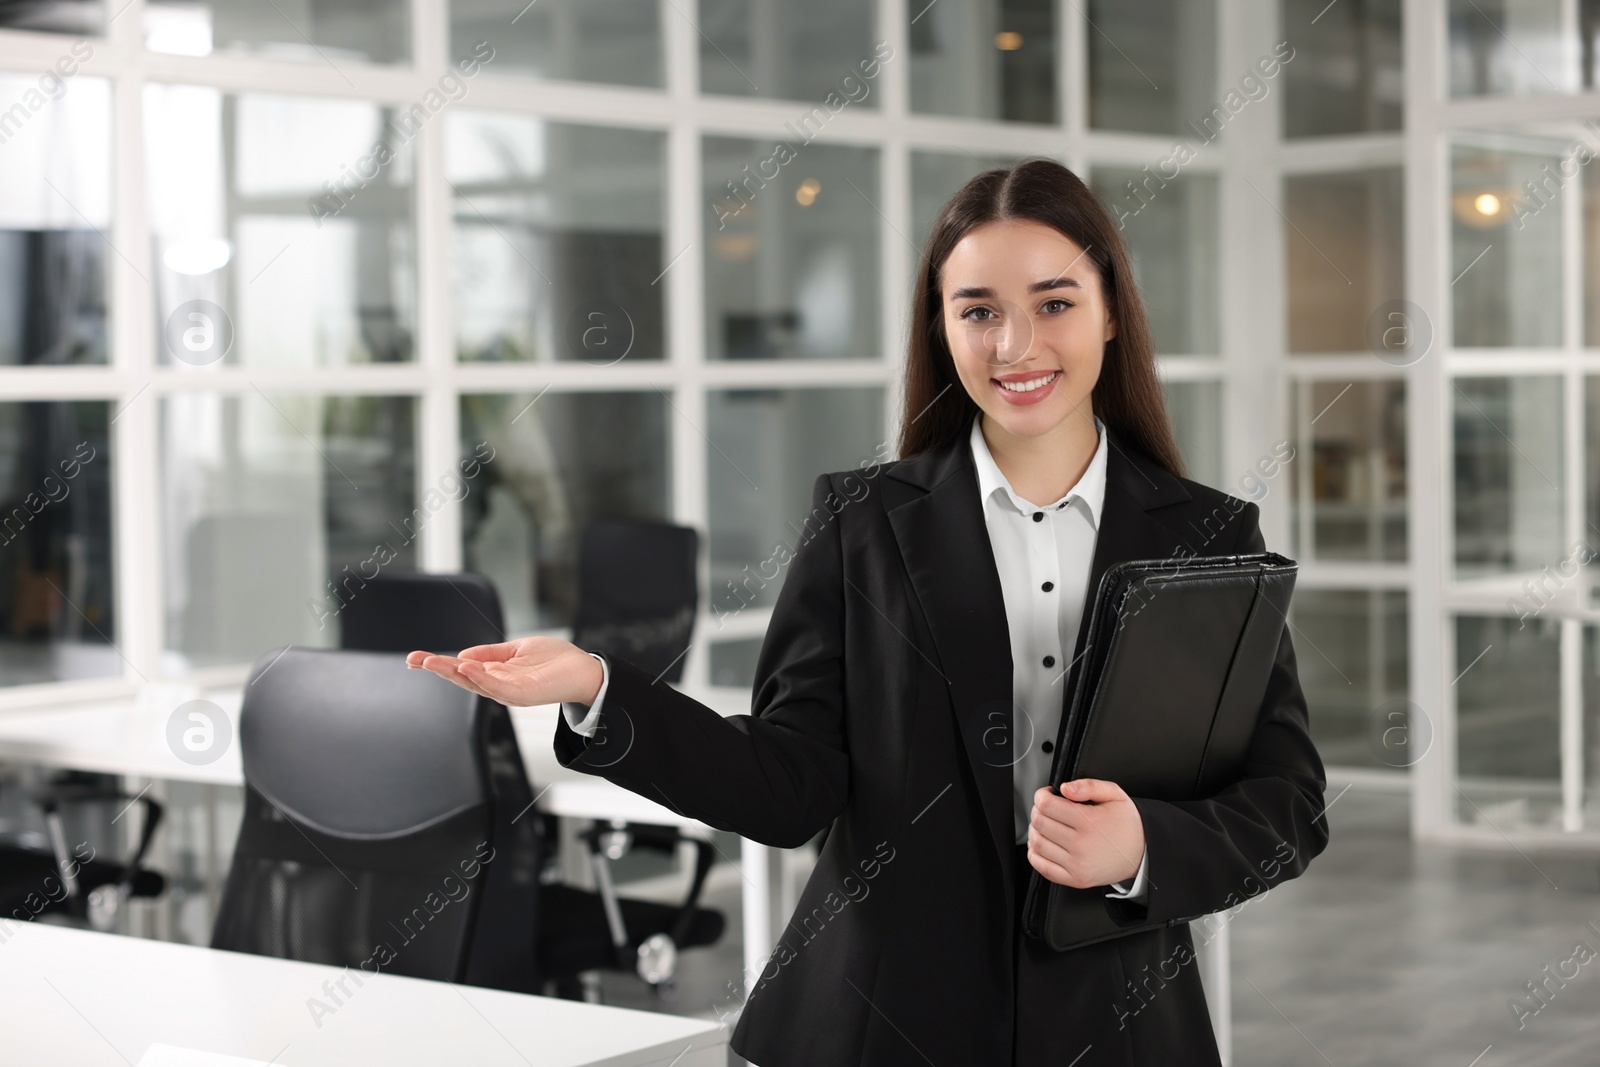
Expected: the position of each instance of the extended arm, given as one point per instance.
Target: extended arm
(776, 776)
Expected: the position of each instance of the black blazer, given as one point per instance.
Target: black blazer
(887, 650)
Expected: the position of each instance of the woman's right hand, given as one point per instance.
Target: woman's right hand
(522, 673)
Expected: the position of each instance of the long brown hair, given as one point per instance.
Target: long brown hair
(1127, 397)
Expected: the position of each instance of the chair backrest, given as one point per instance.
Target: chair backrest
(379, 825)
(638, 593)
(438, 612)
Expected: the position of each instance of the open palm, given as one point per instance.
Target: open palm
(521, 673)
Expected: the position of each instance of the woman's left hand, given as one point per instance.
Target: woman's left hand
(1090, 835)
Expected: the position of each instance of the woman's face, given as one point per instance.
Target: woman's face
(1023, 306)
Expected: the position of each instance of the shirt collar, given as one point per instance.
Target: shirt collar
(1091, 488)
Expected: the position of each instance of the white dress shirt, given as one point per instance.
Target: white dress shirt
(1043, 555)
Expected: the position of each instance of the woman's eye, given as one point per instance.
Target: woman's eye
(973, 312)
(1053, 306)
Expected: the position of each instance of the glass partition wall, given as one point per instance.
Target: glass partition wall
(294, 294)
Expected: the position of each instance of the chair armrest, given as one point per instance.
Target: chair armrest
(51, 800)
(660, 839)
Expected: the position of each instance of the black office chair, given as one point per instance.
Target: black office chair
(384, 827)
(41, 875)
(637, 593)
(369, 800)
(402, 611)
(447, 612)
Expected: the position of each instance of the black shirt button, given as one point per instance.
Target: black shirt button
(1047, 586)
(1047, 747)
(1038, 516)
(1049, 661)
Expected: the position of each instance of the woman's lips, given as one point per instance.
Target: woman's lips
(1031, 396)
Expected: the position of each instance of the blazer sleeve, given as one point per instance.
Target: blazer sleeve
(1213, 854)
(777, 775)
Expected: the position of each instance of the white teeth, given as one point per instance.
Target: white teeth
(1030, 386)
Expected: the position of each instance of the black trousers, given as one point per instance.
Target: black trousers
(1070, 1006)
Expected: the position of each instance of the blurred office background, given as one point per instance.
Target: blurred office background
(1365, 230)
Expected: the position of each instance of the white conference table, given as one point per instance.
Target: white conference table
(73, 996)
(129, 738)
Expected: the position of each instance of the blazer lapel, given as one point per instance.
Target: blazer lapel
(937, 518)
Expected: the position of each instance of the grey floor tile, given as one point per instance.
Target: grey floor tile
(1384, 953)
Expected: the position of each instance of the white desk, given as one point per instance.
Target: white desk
(83, 998)
(129, 738)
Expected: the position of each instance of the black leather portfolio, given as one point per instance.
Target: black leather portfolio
(1174, 668)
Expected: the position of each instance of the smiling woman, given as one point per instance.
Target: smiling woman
(908, 693)
(1026, 280)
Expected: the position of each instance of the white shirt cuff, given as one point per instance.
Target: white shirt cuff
(1135, 892)
(586, 720)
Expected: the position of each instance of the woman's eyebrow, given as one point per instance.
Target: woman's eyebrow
(983, 292)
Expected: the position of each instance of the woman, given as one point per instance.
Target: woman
(910, 685)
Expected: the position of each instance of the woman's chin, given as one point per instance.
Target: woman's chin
(1031, 420)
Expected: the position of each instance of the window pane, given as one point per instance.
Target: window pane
(767, 448)
(1591, 472)
(1509, 503)
(1349, 485)
(82, 17)
(1150, 63)
(734, 662)
(558, 240)
(613, 41)
(1351, 646)
(1346, 74)
(791, 253)
(57, 598)
(1591, 242)
(281, 236)
(378, 31)
(55, 171)
(935, 178)
(991, 59)
(1196, 412)
(1515, 47)
(1591, 727)
(791, 51)
(1170, 226)
(552, 464)
(274, 508)
(1345, 257)
(1505, 254)
(1508, 734)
